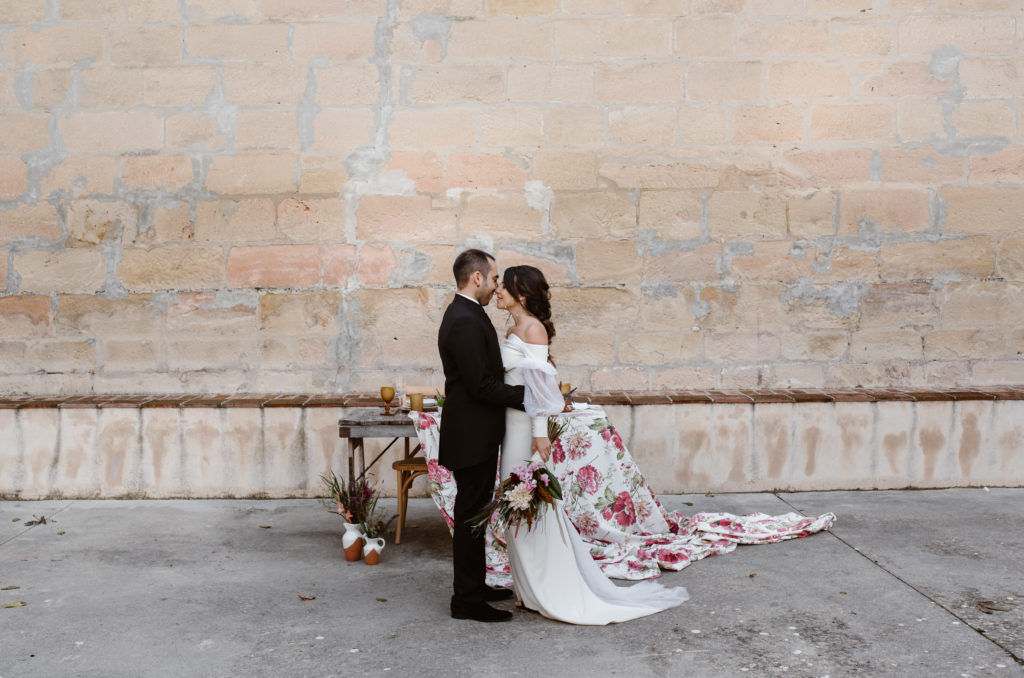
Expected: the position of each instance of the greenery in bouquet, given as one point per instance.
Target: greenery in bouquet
(356, 503)
(521, 496)
(377, 525)
(352, 501)
(439, 398)
(556, 428)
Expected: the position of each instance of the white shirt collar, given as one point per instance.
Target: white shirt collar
(468, 297)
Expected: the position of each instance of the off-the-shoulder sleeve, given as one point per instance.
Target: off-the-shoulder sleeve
(542, 397)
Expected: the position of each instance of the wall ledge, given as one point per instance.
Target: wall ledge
(705, 396)
(279, 445)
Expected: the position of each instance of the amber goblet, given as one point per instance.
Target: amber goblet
(387, 394)
(566, 389)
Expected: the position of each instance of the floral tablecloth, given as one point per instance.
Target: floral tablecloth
(629, 532)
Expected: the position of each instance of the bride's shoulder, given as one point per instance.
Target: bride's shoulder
(533, 332)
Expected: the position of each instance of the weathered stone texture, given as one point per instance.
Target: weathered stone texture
(741, 194)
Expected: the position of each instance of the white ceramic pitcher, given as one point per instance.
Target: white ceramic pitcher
(353, 541)
(372, 550)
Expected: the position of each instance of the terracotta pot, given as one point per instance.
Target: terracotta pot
(353, 541)
(372, 550)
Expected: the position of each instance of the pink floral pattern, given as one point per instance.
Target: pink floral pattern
(437, 472)
(612, 436)
(588, 478)
(621, 510)
(629, 532)
(575, 444)
(557, 452)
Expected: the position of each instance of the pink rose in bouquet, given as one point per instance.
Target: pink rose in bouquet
(519, 498)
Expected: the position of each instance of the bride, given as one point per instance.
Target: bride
(552, 570)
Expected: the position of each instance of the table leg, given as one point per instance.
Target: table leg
(353, 443)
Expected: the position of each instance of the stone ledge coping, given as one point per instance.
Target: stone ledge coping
(741, 397)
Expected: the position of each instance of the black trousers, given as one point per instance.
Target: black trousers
(475, 490)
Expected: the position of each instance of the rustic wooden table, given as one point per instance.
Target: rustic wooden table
(360, 423)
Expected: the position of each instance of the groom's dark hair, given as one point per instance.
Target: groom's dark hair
(469, 261)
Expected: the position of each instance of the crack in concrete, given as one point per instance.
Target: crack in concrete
(916, 589)
(32, 527)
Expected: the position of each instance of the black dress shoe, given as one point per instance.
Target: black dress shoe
(494, 595)
(481, 613)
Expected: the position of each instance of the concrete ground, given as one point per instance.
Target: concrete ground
(908, 583)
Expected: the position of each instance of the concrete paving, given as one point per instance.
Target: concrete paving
(908, 583)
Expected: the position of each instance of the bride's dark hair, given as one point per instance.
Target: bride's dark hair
(527, 283)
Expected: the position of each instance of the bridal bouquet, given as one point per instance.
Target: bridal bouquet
(520, 497)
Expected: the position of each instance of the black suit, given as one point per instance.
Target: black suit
(472, 428)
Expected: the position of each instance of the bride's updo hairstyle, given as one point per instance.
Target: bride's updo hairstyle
(528, 284)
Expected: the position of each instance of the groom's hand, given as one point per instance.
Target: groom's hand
(542, 446)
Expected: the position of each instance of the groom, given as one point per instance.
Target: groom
(473, 425)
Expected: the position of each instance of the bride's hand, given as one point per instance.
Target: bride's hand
(542, 446)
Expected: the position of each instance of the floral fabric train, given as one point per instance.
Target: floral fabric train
(629, 532)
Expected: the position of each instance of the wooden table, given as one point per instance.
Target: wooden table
(371, 422)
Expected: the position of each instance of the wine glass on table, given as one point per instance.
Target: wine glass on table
(387, 394)
(400, 391)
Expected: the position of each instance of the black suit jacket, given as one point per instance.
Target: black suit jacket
(476, 394)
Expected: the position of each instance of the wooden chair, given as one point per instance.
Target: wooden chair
(408, 470)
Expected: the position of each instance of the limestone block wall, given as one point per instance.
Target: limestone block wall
(266, 195)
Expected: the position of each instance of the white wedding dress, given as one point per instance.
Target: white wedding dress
(552, 569)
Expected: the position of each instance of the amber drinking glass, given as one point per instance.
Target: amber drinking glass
(387, 394)
(566, 389)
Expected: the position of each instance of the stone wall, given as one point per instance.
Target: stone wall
(267, 195)
(194, 446)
